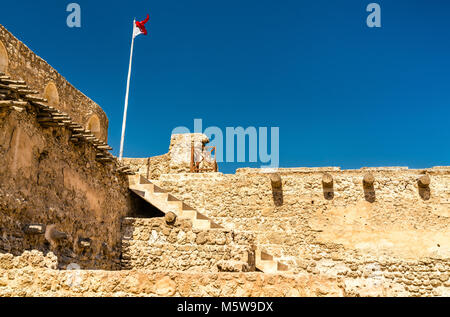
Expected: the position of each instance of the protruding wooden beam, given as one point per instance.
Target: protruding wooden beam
(51, 234)
(368, 180)
(104, 147)
(27, 92)
(327, 180)
(35, 98)
(34, 229)
(16, 87)
(424, 181)
(8, 87)
(275, 179)
(104, 159)
(11, 81)
(9, 103)
(84, 243)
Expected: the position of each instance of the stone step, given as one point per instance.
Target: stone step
(266, 263)
(146, 187)
(201, 224)
(165, 202)
(178, 205)
(188, 214)
(267, 266)
(282, 267)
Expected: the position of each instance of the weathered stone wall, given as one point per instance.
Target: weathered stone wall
(397, 228)
(22, 63)
(33, 274)
(150, 168)
(138, 283)
(28, 259)
(46, 179)
(155, 245)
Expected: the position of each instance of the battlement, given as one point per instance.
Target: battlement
(19, 62)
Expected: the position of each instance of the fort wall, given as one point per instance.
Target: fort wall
(48, 180)
(65, 201)
(19, 62)
(60, 191)
(391, 229)
(153, 244)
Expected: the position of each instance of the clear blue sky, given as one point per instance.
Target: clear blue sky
(342, 94)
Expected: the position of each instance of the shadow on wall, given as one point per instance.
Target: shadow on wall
(3, 58)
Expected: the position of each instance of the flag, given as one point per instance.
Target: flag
(139, 27)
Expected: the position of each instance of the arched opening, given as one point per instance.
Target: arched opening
(93, 125)
(3, 58)
(51, 94)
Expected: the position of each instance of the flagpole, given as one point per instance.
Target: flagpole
(126, 96)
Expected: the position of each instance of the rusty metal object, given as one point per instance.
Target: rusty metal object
(205, 160)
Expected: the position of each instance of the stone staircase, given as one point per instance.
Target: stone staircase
(267, 264)
(16, 94)
(166, 202)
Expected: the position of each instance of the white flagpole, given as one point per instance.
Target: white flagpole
(126, 96)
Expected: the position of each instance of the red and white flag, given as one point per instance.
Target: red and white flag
(139, 27)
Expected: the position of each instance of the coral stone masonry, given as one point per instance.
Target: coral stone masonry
(74, 221)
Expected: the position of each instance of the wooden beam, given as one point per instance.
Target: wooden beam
(275, 179)
(368, 179)
(9, 103)
(327, 180)
(424, 181)
(34, 229)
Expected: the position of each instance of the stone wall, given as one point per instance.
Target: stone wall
(21, 63)
(151, 167)
(34, 274)
(48, 180)
(155, 245)
(396, 227)
(177, 160)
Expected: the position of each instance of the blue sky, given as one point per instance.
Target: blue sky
(341, 93)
